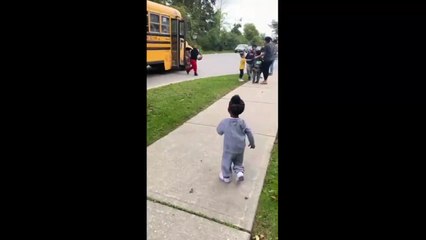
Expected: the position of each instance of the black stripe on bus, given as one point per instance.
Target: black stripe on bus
(158, 48)
(158, 34)
(157, 62)
(149, 41)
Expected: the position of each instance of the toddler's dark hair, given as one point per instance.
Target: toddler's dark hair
(236, 105)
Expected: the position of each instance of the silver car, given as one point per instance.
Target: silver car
(241, 48)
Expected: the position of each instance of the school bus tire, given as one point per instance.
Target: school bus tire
(158, 67)
(161, 68)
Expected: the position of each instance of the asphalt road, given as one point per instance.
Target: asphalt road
(211, 65)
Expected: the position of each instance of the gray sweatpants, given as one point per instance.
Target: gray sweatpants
(228, 159)
(271, 68)
(249, 70)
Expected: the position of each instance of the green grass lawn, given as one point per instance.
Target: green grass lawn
(266, 220)
(170, 106)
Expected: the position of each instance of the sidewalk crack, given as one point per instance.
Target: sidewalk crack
(199, 215)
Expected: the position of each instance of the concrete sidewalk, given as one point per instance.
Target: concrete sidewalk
(183, 171)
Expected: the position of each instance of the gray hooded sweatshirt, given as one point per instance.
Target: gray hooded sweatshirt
(235, 130)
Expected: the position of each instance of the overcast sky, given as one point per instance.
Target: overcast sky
(259, 12)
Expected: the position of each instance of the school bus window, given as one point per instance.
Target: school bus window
(165, 24)
(182, 28)
(155, 23)
(174, 27)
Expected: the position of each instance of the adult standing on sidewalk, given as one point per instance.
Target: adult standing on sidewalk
(195, 53)
(268, 58)
(271, 68)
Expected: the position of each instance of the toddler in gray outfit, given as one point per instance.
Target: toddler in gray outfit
(235, 131)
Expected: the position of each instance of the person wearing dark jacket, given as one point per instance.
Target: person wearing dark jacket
(194, 57)
(268, 58)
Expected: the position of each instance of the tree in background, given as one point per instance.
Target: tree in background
(274, 26)
(236, 29)
(199, 14)
(251, 33)
(211, 40)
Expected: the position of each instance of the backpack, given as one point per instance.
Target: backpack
(258, 63)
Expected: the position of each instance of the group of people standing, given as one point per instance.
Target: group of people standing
(256, 62)
(259, 62)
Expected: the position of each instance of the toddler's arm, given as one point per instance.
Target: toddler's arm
(250, 137)
(220, 128)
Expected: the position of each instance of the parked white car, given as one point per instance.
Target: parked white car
(242, 48)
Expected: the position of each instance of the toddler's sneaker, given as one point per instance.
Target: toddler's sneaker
(226, 180)
(240, 176)
(241, 80)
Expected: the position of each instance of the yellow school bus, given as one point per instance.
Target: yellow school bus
(165, 37)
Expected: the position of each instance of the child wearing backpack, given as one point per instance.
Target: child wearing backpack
(250, 61)
(257, 67)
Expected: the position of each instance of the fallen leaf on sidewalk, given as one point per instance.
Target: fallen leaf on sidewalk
(191, 191)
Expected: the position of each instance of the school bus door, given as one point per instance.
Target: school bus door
(182, 36)
(178, 33)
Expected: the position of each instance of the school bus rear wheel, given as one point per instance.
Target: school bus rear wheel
(158, 67)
